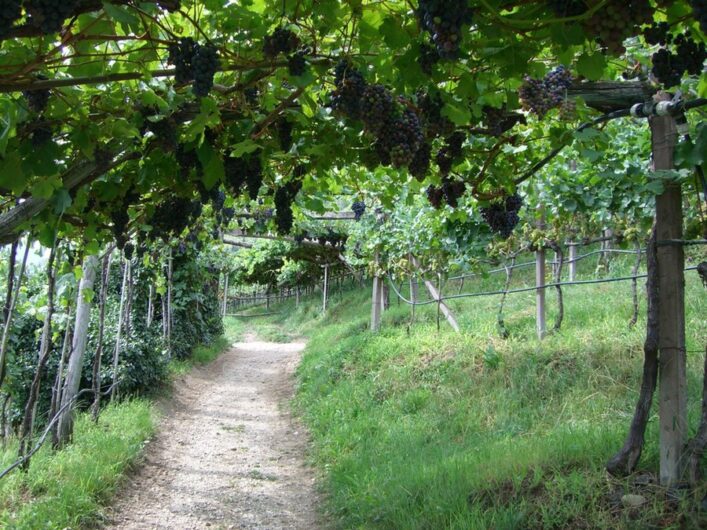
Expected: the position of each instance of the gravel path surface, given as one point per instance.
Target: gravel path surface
(227, 453)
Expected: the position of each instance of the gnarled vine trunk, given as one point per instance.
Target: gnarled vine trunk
(59, 380)
(10, 312)
(105, 276)
(44, 349)
(624, 462)
(559, 261)
(499, 316)
(118, 334)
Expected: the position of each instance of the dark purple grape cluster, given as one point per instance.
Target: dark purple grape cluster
(616, 21)
(217, 198)
(691, 53)
(297, 64)
(699, 12)
(120, 218)
(541, 95)
(450, 152)
(205, 64)
(282, 40)
(180, 55)
(453, 190)
(427, 58)
(401, 136)
(667, 68)
(502, 216)
(164, 132)
(358, 208)
(444, 21)
(454, 144)
(377, 104)
(420, 164)
(350, 86)
(284, 133)
(252, 94)
(657, 33)
(49, 15)
(128, 251)
(10, 12)
(567, 8)
(688, 57)
(444, 161)
(42, 133)
(284, 197)
(172, 216)
(187, 160)
(37, 100)
(299, 171)
(234, 174)
(193, 61)
(499, 121)
(395, 126)
(450, 191)
(433, 122)
(253, 166)
(435, 195)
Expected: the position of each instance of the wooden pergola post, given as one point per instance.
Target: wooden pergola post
(376, 298)
(671, 310)
(325, 287)
(572, 261)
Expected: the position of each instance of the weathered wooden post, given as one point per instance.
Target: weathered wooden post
(436, 296)
(225, 295)
(573, 260)
(607, 234)
(325, 287)
(377, 297)
(671, 310)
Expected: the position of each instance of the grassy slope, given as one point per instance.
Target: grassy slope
(66, 489)
(438, 430)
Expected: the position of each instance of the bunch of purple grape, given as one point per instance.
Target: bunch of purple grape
(541, 95)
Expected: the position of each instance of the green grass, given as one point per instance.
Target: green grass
(414, 428)
(205, 353)
(66, 489)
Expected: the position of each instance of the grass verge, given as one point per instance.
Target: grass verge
(66, 489)
(205, 353)
(415, 428)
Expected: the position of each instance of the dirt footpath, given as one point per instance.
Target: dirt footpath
(227, 453)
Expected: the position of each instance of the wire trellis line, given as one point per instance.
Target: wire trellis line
(519, 290)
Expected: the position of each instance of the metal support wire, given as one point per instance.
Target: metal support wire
(522, 289)
(532, 263)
